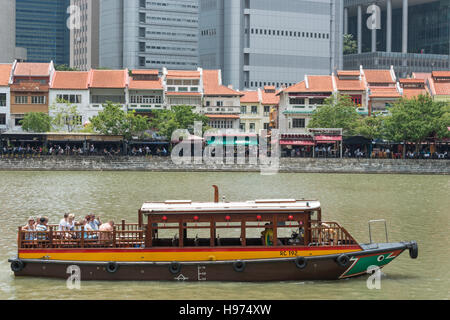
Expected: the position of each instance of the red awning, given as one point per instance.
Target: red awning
(328, 138)
(297, 143)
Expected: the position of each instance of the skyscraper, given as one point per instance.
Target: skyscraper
(138, 34)
(41, 28)
(8, 50)
(274, 43)
(84, 37)
(413, 36)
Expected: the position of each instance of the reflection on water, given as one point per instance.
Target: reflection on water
(416, 208)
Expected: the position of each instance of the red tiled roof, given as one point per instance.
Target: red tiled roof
(418, 81)
(211, 86)
(113, 79)
(355, 73)
(70, 80)
(177, 74)
(413, 93)
(32, 69)
(5, 73)
(442, 88)
(145, 85)
(315, 84)
(421, 75)
(441, 74)
(145, 72)
(349, 85)
(378, 76)
(270, 98)
(384, 92)
(250, 97)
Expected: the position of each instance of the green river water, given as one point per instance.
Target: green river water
(416, 208)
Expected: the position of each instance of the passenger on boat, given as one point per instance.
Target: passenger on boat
(106, 230)
(267, 236)
(87, 227)
(63, 223)
(42, 226)
(94, 222)
(30, 227)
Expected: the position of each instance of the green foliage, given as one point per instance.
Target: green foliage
(370, 127)
(66, 115)
(114, 121)
(350, 45)
(36, 122)
(415, 119)
(179, 117)
(338, 112)
(64, 67)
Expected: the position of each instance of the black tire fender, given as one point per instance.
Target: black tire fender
(17, 265)
(413, 250)
(239, 266)
(343, 260)
(175, 268)
(301, 262)
(112, 267)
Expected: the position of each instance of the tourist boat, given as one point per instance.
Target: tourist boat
(253, 241)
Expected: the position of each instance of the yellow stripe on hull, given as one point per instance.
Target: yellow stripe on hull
(164, 256)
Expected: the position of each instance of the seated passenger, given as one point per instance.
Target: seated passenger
(87, 227)
(63, 223)
(94, 222)
(267, 236)
(106, 230)
(30, 227)
(42, 226)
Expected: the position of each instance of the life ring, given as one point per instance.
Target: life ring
(413, 250)
(175, 268)
(112, 267)
(239, 266)
(17, 265)
(301, 262)
(343, 260)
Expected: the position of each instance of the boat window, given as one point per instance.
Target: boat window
(228, 234)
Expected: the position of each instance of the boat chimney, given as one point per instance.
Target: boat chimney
(216, 193)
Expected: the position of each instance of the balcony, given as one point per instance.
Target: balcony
(222, 110)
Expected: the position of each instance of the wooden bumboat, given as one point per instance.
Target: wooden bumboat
(195, 251)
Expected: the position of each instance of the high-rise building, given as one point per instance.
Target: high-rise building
(141, 34)
(8, 50)
(260, 43)
(413, 36)
(41, 28)
(84, 36)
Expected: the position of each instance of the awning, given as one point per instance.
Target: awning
(328, 138)
(233, 142)
(297, 143)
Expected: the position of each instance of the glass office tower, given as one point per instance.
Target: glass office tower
(41, 28)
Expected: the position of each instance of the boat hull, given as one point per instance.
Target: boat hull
(328, 267)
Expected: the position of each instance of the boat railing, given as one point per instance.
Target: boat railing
(80, 239)
(330, 234)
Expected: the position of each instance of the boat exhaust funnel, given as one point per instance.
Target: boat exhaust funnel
(216, 193)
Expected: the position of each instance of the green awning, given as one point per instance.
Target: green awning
(238, 142)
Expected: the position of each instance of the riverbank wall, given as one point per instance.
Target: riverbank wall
(286, 165)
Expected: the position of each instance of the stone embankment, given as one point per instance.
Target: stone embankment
(286, 165)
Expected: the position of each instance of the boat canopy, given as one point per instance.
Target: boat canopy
(187, 206)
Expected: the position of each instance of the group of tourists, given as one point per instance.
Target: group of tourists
(37, 228)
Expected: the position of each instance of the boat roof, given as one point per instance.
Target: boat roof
(187, 206)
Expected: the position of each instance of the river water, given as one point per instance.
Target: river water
(416, 208)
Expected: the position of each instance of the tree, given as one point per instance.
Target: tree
(114, 121)
(370, 127)
(179, 117)
(350, 46)
(414, 120)
(36, 122)
(66, 115)
(338, 112)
